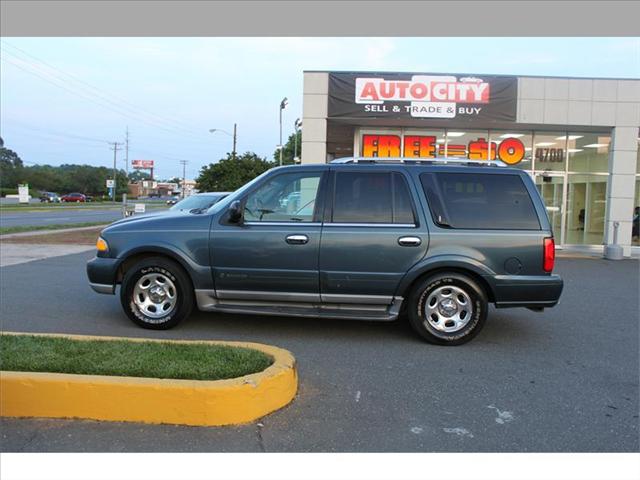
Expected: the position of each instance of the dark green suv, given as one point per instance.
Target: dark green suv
(355, 239)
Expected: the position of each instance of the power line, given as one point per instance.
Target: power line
(106, 96)
(102, 103)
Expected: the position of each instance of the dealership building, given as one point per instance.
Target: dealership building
(577, 137)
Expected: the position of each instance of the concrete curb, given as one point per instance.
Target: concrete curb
(151, 400)
(47, 232)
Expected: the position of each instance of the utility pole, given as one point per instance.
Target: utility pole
(184, 168)
(115, 148)
(126, 150)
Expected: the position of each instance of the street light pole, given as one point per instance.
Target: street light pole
(283, 104)
(296, 126)
(234, 135)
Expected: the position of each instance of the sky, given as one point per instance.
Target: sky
(63, 99)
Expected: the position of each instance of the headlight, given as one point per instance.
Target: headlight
(101, 245)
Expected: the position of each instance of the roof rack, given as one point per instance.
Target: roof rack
(421, 161)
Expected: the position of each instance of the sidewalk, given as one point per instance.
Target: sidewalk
(14, 254)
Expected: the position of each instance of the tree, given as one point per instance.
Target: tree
(139, 175)
(287, 153)
(229, 174)
(10, 167)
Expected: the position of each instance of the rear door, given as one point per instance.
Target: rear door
(371, 235)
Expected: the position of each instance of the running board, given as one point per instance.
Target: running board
(207, 302)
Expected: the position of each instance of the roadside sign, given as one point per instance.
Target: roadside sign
(23, 193)
(140, 207)
(111, 183)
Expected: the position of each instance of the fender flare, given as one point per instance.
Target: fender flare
(460, 263)
(200, 275)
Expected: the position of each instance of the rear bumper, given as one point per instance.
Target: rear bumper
(539, 291)
(102, 273)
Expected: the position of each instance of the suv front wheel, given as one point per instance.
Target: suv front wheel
(156, 293)
(447, 308)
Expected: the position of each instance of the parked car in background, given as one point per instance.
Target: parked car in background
(88, 198)
(199, 201)
(49, 197)
(74, 197)
(435, 241)
(173, 200)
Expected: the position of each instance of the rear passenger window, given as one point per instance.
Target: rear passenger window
(479, 201)
(372, 197)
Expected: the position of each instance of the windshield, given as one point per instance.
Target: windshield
(197, 201)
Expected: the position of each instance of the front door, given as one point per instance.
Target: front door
(273, 254)
(370, 238)
(552, 188)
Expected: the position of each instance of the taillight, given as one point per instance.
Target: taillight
(549, 254)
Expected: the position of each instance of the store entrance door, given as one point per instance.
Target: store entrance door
(553, 189)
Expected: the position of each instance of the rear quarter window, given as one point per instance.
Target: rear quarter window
(479, 201)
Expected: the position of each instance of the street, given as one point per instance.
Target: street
(565, 380)
(44, 216)
(58, 216)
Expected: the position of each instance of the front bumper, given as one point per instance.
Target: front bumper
(532, 291)
(102, 273)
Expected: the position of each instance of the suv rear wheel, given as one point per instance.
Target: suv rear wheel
(447, 308)
(156, 293)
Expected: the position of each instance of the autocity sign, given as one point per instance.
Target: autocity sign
(465, 97)
(142, 163)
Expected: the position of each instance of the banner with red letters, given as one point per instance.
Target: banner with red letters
(466, 98)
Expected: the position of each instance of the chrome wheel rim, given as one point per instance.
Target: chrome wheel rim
(448, 309)
(155, 295)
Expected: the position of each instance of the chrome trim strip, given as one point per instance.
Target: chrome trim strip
(272, 224)
(267, 296)
(383, 225)
(363, 299)
(103, 288)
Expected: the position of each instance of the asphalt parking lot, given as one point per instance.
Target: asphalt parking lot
(562, 381)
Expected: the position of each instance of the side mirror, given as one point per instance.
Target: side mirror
(235, 212)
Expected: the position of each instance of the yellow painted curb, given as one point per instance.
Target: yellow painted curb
(151, 400)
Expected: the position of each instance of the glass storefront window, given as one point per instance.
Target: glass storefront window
(586, 202)
(588, 152)
(549, 151)
(513, 148)
(635, 226)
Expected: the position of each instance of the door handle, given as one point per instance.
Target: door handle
(409, 241)
(297, 239)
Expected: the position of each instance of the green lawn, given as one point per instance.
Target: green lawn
(29, 353)
(35, 228)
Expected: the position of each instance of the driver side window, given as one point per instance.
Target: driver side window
(290, 197)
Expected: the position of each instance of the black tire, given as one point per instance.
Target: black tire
(162, 267)
(475, 305)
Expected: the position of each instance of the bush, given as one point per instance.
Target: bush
(10, 191)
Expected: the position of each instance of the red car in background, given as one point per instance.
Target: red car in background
(73, 197)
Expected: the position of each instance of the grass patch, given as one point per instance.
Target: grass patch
(29, 353)
(35, 228)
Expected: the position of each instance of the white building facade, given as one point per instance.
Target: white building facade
(577, 137)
